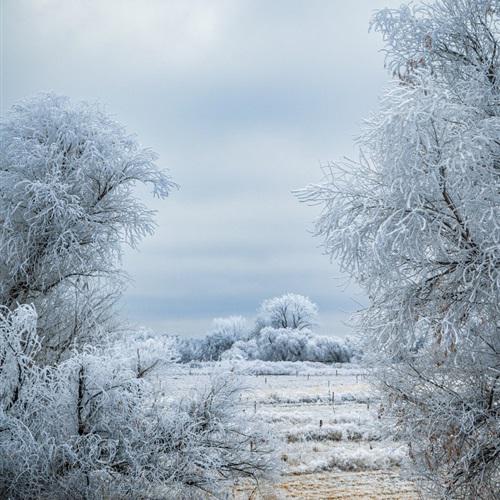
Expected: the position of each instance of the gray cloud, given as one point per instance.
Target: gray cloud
(243, 100)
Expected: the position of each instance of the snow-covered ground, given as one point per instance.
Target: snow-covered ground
(324, 418)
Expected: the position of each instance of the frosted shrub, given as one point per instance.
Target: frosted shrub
(281, 344)
(91, 428)
(286, 344)
(213, 443)
(189, 349)
(242, 350)
(299, 345)
(224, 333)
(327, 350)
(143, 351)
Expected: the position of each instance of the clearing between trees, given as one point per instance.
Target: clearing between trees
(330, 442)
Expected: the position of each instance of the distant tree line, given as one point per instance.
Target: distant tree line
(282, 332)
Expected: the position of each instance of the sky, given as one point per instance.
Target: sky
(244, 101)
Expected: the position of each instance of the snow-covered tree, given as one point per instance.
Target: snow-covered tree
(417, 222)
(89, 424)
(220, 338)
(67, 205)
(325, 349)
(288, 311)
(282, 344)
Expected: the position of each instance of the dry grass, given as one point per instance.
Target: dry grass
(333, 486)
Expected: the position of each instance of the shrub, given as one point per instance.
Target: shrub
(90, 427)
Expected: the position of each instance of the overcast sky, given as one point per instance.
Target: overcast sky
(244, 101)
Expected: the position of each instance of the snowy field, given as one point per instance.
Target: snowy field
(324, 419)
